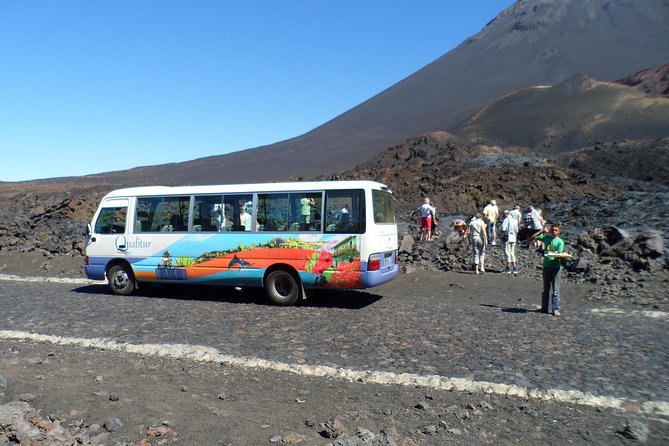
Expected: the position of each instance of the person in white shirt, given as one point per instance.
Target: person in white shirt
(245, 218)
(510, 230)
(427, 211)
(478, 238)
(515, 213)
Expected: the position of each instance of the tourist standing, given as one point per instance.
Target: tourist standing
(515, 213)
(553, 244)
(533, 223)
(244, 218)
(478, 239)
(426, 212)
(305, 211)
(491, 212)
(435, 223)
(510, 231)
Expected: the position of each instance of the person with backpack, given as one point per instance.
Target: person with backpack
(532, 224)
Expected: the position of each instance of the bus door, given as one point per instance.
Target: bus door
(109, 235)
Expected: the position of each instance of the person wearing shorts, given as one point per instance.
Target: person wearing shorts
(426, 212)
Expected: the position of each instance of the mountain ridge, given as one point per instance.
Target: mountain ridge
(530, 43)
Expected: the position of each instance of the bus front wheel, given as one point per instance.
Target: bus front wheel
(121, 280)
(282, 287)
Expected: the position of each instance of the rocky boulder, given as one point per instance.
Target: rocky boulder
(609, 241)
(649, 244)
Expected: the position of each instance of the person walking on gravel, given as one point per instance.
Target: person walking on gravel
(510, 231)
(426, 212)
(478, 239)
(491, 212)
(553, 244)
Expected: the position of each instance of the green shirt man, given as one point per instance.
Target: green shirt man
(553, 244)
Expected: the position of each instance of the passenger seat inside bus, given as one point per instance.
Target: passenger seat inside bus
(140, 222)
(177, 223)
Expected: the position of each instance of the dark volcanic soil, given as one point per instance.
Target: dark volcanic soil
(608, 210)
(107, 397)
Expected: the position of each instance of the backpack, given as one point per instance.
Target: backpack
(528, 221)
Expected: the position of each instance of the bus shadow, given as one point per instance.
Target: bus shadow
(345, 299)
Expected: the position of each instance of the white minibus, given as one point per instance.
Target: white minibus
(285, 237)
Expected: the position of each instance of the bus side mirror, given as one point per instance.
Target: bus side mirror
(89, 233)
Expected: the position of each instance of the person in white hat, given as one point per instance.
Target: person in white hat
(491, 212)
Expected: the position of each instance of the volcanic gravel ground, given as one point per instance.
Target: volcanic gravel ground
(451, 324)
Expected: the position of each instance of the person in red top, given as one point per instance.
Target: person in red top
(426, 213)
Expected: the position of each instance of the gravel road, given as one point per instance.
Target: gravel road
(581, 378)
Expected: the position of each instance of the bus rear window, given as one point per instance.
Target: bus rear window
(384, 207)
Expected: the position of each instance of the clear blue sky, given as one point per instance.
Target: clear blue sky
(96, 86)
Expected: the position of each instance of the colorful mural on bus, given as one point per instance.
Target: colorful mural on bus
(321, 261)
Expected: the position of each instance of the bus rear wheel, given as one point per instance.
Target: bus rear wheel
(282, 287)
(121, 280)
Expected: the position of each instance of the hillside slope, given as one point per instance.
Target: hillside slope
(534, 42)
(572, 114)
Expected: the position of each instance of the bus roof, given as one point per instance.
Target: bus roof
(244, 188)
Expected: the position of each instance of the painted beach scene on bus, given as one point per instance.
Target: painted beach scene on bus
(320, 261)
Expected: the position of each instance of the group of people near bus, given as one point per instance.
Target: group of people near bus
(530, 227)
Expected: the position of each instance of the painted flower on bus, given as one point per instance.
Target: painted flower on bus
(346, 275)
(319, 262)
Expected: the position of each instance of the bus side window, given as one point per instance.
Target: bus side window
(208, 214)
(272, 212)
(345, 211)
(238, 212)
(165, 214)
(111, 221)
(310, 211)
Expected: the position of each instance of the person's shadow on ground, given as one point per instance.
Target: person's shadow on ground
(511, 309)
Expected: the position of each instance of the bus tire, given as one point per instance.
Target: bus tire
(121, 280)
(282, 287)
